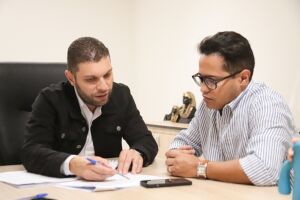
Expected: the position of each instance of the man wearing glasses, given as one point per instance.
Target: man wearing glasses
(242, 130)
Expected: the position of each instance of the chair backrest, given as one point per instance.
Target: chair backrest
(20, 83)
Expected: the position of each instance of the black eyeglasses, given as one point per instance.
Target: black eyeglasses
(211, 83)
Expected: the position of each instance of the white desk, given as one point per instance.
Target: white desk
(200, 190)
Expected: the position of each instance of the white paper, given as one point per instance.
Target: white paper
(113, 163)
(21, 178)
(24, 178)
(111, 183)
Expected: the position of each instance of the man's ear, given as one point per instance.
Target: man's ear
(70, 77)
(245, 77)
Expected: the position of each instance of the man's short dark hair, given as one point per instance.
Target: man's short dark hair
(233, 47)
(85, 49)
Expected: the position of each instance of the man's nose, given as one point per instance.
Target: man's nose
(102, 84)
(204, 89)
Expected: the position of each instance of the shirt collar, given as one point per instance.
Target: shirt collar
(84, 108)
(234, 103)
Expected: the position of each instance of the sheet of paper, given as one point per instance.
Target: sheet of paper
(112, 183)
(22, 178)
(113, 163)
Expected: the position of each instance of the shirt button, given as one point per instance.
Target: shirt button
(118, 128)
(63, 135)
(78, 146)
(83, 129)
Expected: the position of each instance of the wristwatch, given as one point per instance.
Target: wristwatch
(201, 169)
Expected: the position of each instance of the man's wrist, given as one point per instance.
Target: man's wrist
(142, 154)
(65, 166)
(202, 169)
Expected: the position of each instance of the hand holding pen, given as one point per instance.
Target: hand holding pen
(83, 168)
(94, 162)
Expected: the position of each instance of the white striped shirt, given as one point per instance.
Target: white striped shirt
(256, 128)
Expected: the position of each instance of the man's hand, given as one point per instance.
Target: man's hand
(184, 149)
(181, 163)
(82, 168)
(187, 149)
(291, 152)
(130, 157)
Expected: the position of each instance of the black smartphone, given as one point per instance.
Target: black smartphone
(165, 182)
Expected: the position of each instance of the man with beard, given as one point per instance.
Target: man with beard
(85, 118)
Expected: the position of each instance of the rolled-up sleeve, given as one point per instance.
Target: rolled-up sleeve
(271, 131)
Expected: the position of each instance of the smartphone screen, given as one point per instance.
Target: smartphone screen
(165, 182)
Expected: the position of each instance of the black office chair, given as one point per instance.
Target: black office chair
(20, 83)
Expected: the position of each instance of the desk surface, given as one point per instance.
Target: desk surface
(200, 190)
(168, 124)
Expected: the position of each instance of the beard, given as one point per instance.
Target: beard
(91, 99)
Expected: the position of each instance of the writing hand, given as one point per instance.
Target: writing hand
(83, 168)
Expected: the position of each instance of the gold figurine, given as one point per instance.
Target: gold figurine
(184, 113)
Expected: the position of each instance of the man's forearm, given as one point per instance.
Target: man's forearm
(227, 171)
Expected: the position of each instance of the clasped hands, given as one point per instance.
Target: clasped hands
(182, 162)
(81, 167)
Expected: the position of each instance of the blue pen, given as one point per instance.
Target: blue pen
(94, 162)
(38, 196)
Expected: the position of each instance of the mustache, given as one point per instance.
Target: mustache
(108, 92)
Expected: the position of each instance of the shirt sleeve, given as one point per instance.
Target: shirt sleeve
(192, 135)
(270, 135)
(136, 133)
(64, 168)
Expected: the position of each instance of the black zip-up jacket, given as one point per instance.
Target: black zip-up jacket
(56, 129)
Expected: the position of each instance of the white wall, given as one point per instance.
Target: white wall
(167, 34)
(153, 42)
(42, 30)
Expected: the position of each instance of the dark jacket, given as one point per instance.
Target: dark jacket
(56, 129)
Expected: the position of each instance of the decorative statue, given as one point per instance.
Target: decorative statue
(184, 113)
(188, 109)
(174, 115)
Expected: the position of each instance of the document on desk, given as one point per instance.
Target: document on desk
(24, 178)
(112, 183)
